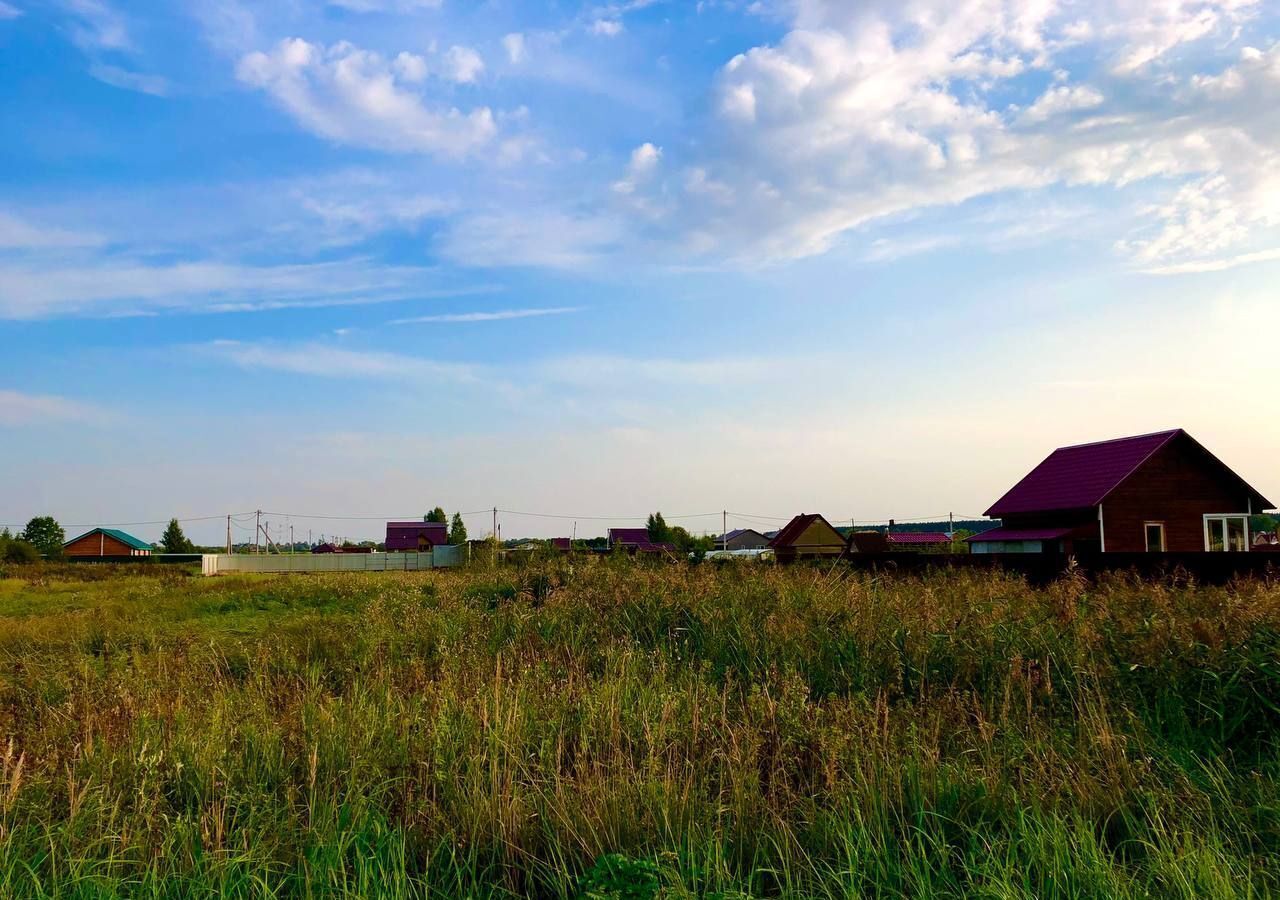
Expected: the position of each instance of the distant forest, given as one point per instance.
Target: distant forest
(973, 525)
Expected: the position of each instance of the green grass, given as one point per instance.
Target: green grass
(632, 731)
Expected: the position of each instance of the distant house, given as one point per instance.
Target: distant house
(868, 542)
(1149, 493)
(405, 537)
(106, 542)
(636, 540)
(742, 539)
(918, 540)
(807, 536)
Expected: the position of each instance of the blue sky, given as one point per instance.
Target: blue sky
(872, 259)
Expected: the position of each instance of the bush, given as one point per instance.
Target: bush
(18, 552)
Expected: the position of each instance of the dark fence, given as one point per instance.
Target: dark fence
(1040, 568)
(153, 559)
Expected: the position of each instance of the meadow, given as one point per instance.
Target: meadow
(624, 730)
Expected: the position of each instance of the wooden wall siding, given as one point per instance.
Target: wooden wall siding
(98, 545)
(1177, 486)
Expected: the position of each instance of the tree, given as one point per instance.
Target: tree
(174, 541)
(438, 515)
(45, 534)
(457, 530)
(659, 530)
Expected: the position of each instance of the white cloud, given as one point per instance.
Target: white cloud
(325, 360)
(514, 44)
(8, 11)
(115, 76)
(356, 97)
(110, 287)
(410, 67)
(382, 6)
(1151, 30)
(498, 316)
(1216, 265)
(18, 408)
(98, 26)
(863, 112)
(606, 27)
(1062, 99)
(17, 233)
(463, 64)
(644, 160)
(531, 237)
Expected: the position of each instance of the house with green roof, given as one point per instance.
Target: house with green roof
(106, 542)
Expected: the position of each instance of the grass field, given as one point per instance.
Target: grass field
(626, 731)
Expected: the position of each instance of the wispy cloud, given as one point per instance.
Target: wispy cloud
(327, 361)
(18, 408)
(1215, 265)
(497, 316)
(115, 76)
(109, 287)
(16, 233)
(8, 11)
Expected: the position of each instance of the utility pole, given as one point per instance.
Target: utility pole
(724, 529)
(495, 523)
(228, 535)
(291, 547)
(951, 524)
(257, 531)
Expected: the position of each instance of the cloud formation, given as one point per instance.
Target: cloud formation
(358, 97)
(864, 112)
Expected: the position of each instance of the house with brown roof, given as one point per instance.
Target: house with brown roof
(1150, 493)
(808, 536)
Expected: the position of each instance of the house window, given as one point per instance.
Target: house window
(1155, 536)
(1226, 533)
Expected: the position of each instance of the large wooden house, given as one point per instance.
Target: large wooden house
(1150, 493)
(106, 542)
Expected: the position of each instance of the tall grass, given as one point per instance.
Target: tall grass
(628, 731)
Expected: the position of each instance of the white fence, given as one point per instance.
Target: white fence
(222, 563)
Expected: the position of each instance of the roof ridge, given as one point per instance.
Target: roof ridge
(1170, 432)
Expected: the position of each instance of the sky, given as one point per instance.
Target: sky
(360, 258)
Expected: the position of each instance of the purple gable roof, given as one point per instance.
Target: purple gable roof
(628, 535)
(404, 535)
(1080, 476)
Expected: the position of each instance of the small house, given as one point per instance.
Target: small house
(106, 542)
(409, 537)
(1150, 493)
(742, 539)
(808, 536)
(636, 540)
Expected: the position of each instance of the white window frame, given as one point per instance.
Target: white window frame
(1224, 516)
(1164, 542)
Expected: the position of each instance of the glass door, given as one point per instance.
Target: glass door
(1226, 533)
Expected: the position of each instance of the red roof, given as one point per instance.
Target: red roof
(796, 527)
(1082, 476)
(918, 537)
(1019, 534)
